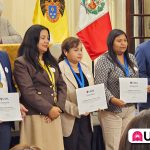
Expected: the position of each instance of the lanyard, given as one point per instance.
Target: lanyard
(80, 81)
(125, 67)
(51, 77)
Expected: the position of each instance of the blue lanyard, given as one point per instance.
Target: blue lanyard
(80, 81)
(125, 66)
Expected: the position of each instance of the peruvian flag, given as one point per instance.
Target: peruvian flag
(94, 26)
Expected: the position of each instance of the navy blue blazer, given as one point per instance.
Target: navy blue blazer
(5, 135)
(4, 60)
(142, 55)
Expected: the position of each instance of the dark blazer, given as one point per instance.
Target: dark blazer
(36, 89)
(4, 60)
(5, 127)
(142, 55)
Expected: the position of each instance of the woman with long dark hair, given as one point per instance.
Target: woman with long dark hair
(42, 89)
(114, 64)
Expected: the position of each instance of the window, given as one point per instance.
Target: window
(137, 22)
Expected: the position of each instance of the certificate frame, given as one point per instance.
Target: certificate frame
(91, 98)
(133, 90)
(10, 107)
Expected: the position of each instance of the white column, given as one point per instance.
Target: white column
(120, 14)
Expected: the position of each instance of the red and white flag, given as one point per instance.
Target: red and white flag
(94, 26)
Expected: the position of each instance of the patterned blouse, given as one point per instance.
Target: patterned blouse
(109, 73)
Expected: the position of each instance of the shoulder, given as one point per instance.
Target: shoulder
(3, 53)
(21, 64)
(62, 64)
(103, 58)
(20, 60)
(84, 64)
(143, 47)
(145, 44)
(86, 67)
(133, 59)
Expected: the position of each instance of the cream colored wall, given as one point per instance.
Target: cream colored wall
(20, 13)
(119, 20)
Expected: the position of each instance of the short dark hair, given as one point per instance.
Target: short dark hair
(66, 45)
(110, 41)
(29, 49)
(140, 121)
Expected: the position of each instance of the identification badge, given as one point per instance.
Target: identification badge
(6, 69)
(53, 69)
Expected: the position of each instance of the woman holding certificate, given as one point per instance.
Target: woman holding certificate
(6, 86)
(114, 64)
(77, 129)
(42, 89)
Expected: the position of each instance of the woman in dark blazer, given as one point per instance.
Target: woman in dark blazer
(6, 86)
(43, 90)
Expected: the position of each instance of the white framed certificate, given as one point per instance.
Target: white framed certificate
(133, 90)
(10, 107)
(91, 98)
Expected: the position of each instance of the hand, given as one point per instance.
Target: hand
(148, 88)
(117, 102)
(86, 114)
(23, 111)
(54, 112)
(47, 119)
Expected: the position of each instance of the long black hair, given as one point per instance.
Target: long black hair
(110, 41)
(30, 51)
(66, 45)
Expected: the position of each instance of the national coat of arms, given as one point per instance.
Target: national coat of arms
(52, 9)
(93, 6)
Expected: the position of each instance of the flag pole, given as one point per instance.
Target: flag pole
(93, 67)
